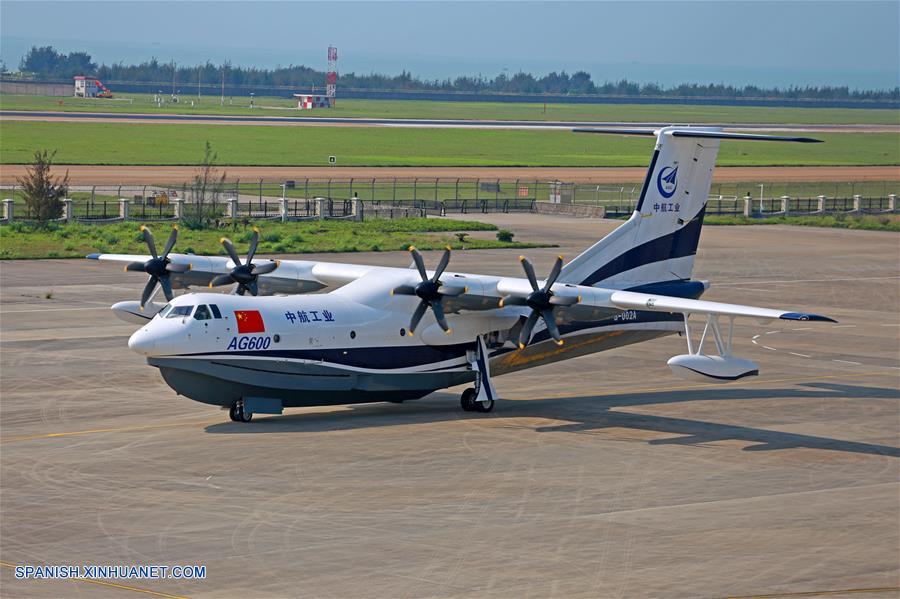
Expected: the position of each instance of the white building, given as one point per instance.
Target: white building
(310, 101)
(90, 87)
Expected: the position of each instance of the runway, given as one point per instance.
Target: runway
(604, 476)
(121, 117)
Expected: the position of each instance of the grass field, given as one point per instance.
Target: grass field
(680, 113)
(182, 144)
(19, 240)
(867, 222)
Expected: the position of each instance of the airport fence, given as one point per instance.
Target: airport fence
(359, 199)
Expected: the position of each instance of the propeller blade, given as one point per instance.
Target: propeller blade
(173, 237)
(149, 288)
(439, 316)
(229, 247)
(253, 288)
(558, 300)
(452, 291)
(166, 287)
(241, 289)
(445, 260)
(172, 267)
(254, 241)
(220, 280)
(512, 300)
(135, 267)
(550, 321)
(404, 290)
(420, 264)
(148, 239)
(529, 272)
(417, 316)
(554, 273)
(525, 334)
(264, 268)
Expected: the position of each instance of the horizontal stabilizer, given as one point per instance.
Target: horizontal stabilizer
(699, 133)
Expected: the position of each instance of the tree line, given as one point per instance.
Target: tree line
(48, 63)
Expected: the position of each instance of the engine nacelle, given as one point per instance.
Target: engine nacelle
(711, 369)
(130, 311)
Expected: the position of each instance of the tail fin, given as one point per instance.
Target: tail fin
(658, 243)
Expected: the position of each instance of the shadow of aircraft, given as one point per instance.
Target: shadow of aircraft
(591, 414)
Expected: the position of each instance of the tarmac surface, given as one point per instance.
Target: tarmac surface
(604, 476)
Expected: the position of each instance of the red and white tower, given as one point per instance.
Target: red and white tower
(331, 82)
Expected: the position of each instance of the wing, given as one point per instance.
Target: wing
(629, 300)
(595, 298)
(291, 276)
(581, 303)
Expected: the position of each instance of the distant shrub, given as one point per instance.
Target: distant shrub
(505, 235)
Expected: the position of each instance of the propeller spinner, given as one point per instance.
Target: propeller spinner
(246, 274)
(541, 300)
(158, 267)
(430, 291)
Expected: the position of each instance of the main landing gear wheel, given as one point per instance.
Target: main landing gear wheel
(484, 406)
(238, 414)
(467, 401)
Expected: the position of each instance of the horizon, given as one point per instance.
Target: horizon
(774, 56)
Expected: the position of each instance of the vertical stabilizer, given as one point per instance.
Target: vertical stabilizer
(658, 243)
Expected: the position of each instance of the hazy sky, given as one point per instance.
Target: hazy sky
(766, 43)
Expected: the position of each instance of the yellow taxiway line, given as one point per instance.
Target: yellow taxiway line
(113, 585)
(891, 590)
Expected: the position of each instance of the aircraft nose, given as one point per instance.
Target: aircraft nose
(142, 342)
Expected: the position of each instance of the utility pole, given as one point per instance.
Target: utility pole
(223, 82)
(173, 78)
(199, 74)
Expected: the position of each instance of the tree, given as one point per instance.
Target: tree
(43, 193)
(207, 187)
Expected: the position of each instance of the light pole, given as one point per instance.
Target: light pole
(761, 185)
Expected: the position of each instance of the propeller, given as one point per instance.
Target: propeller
(430, 291)
(541, 300)
(244, 274)
(158, 267)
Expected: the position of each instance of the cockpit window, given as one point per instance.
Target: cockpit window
(180, 312)
(215, 311)
(202, 313)
(165, 311)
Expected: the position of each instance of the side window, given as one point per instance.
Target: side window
(202, 313)
(215, 311)
(180, 312)
(165, 311)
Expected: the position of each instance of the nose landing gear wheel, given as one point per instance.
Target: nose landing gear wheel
(237, 413)
(467, 401)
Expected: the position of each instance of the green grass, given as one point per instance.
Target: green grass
(19, 240)
(867, 222)
(680, 113)
(164, 144)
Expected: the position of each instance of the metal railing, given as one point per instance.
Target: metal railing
(403, 197)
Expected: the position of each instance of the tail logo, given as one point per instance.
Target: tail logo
(666, 181)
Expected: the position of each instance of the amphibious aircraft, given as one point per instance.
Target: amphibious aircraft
(395, 334)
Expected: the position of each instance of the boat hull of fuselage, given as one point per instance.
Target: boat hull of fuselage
(222, 380)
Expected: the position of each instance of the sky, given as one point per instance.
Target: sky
(852, 43)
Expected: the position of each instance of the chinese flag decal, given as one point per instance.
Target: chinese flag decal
(249, 321)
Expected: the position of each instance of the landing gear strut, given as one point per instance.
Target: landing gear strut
(237, 413)
(479, 398)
